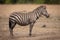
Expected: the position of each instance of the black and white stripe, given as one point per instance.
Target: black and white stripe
(26, 18)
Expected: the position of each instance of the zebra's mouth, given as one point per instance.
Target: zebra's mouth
(47, 16)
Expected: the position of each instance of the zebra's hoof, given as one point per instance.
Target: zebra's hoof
(29, 35)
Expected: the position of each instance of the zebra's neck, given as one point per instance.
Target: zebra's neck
(37, 13)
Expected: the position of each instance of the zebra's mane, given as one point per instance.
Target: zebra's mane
(39, 8)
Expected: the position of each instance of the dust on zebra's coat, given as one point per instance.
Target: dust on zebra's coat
(26, 18)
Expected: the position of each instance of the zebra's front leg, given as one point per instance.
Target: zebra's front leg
(31, 27)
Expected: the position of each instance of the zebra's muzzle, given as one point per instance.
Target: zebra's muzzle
(48, 16)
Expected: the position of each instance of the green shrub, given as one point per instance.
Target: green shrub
(52, 1)
(39, 1)
(30, 1)
(2, 1)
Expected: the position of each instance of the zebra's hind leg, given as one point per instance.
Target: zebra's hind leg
(11, 26)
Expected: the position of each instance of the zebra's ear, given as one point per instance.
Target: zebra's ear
(44, 7)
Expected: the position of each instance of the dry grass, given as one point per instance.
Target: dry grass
(50, 32)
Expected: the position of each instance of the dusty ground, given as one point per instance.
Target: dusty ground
(50, 32)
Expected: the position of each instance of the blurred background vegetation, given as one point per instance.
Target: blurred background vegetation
(29, 1)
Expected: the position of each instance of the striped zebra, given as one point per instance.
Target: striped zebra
(28, 18)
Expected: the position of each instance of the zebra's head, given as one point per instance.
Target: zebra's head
(44, 11)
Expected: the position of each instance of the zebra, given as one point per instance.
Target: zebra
(27, 18)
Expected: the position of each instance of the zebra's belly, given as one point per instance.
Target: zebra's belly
(24, 23)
